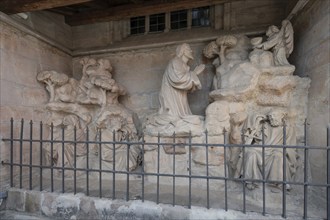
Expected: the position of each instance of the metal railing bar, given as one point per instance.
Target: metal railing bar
(225, 159)
(11, 152)
(100, 163)
(328, 172)
(189, 204)
(284, 173)
(158, 167)
(314, 147)
(51, 157)
(142, 167)
(21, 153)
(305, 172)
(127, 177)
(207, 172)
(87, 161)
(30, 169)
(177, 175)
(173, 196)
(63, 186)
(263, 171)
(75, 161)
(41, 147)
(114, 165)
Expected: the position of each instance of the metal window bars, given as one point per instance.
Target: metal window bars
(29, 146)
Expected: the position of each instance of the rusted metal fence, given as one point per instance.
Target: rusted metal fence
(24, 168)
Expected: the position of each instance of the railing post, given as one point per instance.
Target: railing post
(11, 152)
(328, 172)
(284, 172)
(225, 166)
(305, 171)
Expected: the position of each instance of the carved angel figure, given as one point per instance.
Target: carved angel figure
(280, 41)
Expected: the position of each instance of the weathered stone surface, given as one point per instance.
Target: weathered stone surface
(16, 200)
(61, 206)
(32, 202)
(87, 209)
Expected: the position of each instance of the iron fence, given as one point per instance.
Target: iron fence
(27, 168)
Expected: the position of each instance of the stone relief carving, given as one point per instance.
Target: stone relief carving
(253, 93)
(253, 88)
(174, 114)
(90, 102)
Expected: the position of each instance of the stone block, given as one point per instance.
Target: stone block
(166, 163)
(16, 200)
(87, 209)
(32, 202)
(59, 206)
(173, 213)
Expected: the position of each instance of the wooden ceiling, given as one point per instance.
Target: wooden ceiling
(80, 12)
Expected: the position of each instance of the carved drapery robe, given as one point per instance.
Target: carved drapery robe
(177, 81)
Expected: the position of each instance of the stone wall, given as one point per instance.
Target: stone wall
(48, 24)
(237, 15)
(311, 57)
(22, 56)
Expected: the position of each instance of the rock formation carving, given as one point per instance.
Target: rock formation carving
(89, 104)
(253, 87)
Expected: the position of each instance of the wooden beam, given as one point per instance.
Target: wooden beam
(138, 9)
(18, 6)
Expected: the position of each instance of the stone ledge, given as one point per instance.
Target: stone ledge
(79, 206)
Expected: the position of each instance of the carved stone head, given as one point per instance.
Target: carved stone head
(184, 50)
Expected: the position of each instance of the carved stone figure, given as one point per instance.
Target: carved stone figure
(269, 129)
(251, 78)
(115, 127)
(63, 155)
(174, 114)
(91, 102)
(178, 79)
(280, 41)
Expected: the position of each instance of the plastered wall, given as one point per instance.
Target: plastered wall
(22, 56)
(312, 58)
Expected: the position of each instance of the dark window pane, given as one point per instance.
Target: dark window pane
(200, 16)
(157, 22)
(179, 19)
(183, 24)
(174, 26)
(137, 25)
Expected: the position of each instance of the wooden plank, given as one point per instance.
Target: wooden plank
(18, 6)
(139, 9)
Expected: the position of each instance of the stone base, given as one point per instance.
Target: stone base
(160, 158)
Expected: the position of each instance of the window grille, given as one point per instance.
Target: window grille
(179, 19)
(157, 22)
(200, 17)
(138, 25)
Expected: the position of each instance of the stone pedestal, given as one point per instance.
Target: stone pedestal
(189, 158)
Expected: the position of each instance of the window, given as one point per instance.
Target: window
(200, 17)
(138, 25)
(179, 19)
(175, 20)
(157, 22)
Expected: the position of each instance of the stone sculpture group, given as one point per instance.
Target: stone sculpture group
(252, 104)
